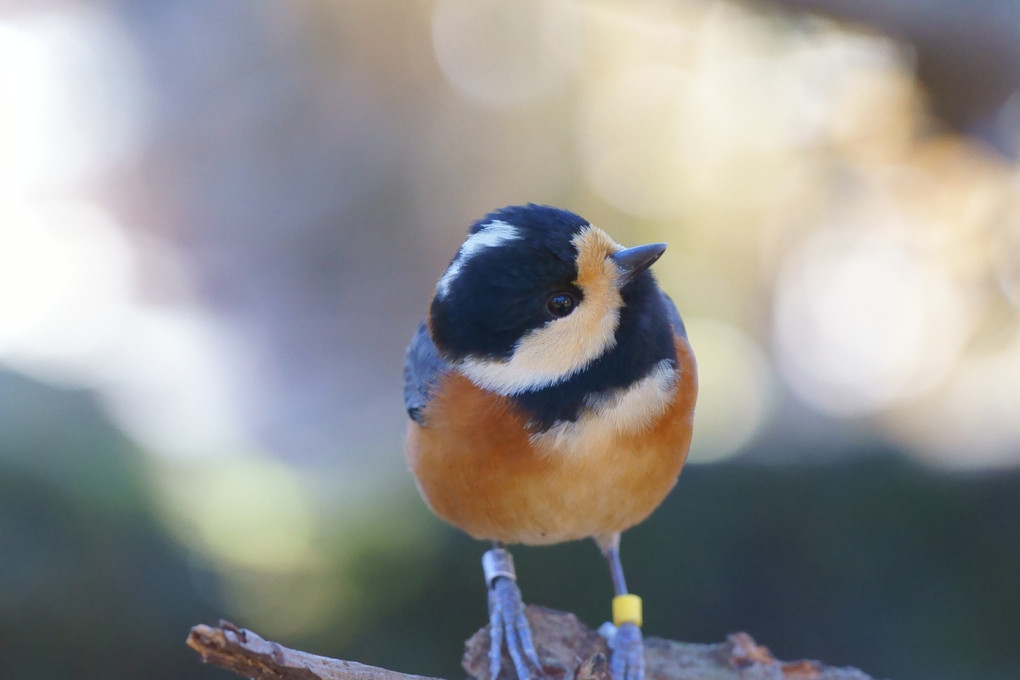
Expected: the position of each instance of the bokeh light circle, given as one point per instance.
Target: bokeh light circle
(735, 389)
(506, 54)
(862, 323)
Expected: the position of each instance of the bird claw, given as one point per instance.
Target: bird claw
(508, 623)
(627, 661)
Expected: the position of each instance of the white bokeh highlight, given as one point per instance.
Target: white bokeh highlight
(862, 322)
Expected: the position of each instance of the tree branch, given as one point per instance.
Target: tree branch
(568, 649)
(245, 653)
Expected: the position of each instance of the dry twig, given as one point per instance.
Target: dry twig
(568, 649)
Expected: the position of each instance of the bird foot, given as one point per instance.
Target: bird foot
(508, 624)
(627, 661)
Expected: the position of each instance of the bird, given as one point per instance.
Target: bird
(550, 390)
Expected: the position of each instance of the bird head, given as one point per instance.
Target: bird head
(534, 296)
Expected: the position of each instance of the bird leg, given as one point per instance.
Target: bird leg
(627, 660)
(506, 616)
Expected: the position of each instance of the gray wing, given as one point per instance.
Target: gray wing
(674, 316)
(422, 368)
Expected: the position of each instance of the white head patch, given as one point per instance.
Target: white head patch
(490, 235)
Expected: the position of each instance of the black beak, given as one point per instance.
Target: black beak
(633, 261)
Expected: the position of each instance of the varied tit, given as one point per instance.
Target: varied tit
(551, 391)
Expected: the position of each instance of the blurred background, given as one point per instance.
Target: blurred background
(221, 221)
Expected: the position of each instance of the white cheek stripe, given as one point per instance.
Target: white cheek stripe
(529, 367)
(489, 236)
(509, 378)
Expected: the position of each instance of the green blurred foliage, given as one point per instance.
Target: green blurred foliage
(90, 585)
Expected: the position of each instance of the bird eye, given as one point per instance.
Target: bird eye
(561, 304)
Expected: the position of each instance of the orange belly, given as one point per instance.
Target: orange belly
(478, 469)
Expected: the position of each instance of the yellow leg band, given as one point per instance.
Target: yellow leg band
(627, 609)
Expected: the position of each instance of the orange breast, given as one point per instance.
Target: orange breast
(477, 468)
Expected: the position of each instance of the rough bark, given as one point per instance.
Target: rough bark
(568, 649)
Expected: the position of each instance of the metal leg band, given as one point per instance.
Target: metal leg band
(498, 563)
